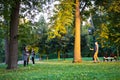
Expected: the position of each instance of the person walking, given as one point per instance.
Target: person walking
(96, 59)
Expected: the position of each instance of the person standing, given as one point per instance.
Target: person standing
(28, 56)
(25, 56)
(96, 59)
(33, 56)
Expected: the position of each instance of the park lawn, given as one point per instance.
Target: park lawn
(63, 70)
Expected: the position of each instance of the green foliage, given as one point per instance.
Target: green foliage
(87, 41)
(114, 20)
(28, 8)
(106, 21)
(62, 18)
(32, 34)
(42, 29)
(59, 30)
(63, 70)
(49, 47)
(84, 4)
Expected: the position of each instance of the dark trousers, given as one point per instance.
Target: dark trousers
(33, 60)
(25, 62)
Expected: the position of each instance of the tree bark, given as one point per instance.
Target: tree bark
(58, 52)
(77, 46)
(6, 49)
(13, 45)
(47, 57)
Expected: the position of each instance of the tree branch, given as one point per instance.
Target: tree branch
(84, 7)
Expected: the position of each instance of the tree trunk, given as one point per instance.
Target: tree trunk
(6, 41)
(6, 49)
(47, 57)
(13, 45)
(58, 52)
(64, 55)
(77, 46)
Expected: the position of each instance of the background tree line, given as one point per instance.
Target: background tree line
(57, 36)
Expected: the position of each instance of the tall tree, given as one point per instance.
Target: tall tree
(62, 19)
(31, 7)
(13, 47)
(64, 16)
(77, 47)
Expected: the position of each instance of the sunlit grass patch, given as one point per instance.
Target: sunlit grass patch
(63, 70)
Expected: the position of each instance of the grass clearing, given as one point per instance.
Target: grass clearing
(63, 70)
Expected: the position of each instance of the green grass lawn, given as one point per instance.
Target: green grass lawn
(63, 70)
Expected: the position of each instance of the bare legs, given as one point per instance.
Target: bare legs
(96, 59)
